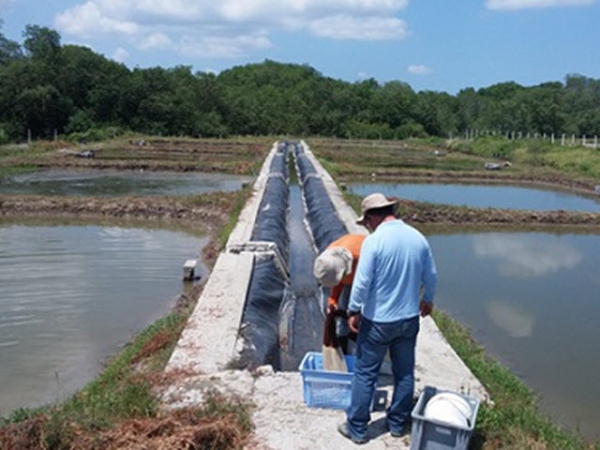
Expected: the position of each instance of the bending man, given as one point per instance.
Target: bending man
(335, 268)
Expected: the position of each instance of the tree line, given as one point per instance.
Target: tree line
(47, 88)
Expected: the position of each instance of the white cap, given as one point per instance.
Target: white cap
(332, 265)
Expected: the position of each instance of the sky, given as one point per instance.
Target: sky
(432, 45)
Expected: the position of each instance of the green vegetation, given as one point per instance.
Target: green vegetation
(50, 90)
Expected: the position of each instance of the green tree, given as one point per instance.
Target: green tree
(9, 50)
(41, 42)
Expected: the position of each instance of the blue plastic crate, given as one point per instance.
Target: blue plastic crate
(428, 434)
(326, 389)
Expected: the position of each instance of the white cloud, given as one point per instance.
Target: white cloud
(175, 9)
(534, 4)
(521, 257)
(120, 55)
(230, 28)
(155, 40)
(89, 19)
(417, 69)
(220, 46)
(343, 27)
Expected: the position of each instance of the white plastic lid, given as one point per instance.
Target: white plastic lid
(450, 408)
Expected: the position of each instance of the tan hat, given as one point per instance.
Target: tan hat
(373, 201)
(332, 265)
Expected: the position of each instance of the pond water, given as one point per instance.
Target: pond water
(89, 182)
(530, 299)
(71, 296)
(483, 196)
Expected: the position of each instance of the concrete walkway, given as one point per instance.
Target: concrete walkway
(209, 347)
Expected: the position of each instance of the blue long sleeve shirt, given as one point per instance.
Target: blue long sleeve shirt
(395, 266)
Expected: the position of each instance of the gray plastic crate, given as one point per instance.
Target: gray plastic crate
(428, 434)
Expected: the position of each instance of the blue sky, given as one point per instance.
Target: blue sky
(436, 45)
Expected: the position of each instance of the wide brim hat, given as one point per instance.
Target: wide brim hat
(332, 265)
(373, 201)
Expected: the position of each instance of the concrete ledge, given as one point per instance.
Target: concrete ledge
(208, 342)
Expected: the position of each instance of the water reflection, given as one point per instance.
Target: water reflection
(483, 196)
(520, 256)
(74, 182)
(531, 300)
(72, 296)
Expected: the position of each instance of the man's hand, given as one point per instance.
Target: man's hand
(426, 308)
(331, 308)
(354, 322)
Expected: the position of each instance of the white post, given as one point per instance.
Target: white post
(562, 140)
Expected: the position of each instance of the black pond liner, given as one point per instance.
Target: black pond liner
(279, 163)
(271, 220)
(323, 220)
(260, 320)
(305, 167)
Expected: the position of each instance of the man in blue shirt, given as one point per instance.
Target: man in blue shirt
(395, 282)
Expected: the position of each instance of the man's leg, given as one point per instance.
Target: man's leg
(369, 355)
(402, 352)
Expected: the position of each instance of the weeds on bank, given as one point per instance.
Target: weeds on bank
(569, 159)
(235, 210)
(512, 421)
